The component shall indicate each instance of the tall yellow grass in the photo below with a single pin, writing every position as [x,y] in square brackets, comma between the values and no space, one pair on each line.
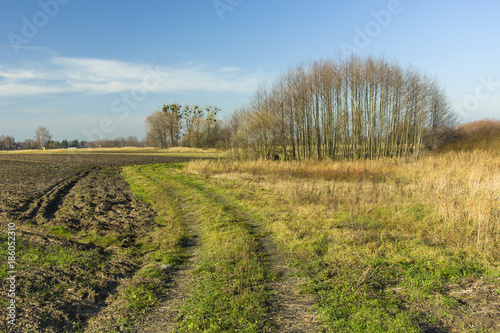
[462,188]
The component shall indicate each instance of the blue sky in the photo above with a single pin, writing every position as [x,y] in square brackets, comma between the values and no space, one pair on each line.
[88,68]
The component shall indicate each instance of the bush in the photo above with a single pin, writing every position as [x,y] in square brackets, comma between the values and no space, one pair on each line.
[476,135]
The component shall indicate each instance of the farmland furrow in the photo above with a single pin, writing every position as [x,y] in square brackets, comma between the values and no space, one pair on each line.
[45,207]
[83,240]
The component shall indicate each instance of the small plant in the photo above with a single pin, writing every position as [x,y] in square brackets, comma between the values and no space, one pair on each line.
[60,231]
[140,297]
[155,271]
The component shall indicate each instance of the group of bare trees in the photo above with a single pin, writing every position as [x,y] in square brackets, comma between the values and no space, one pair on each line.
[349,108]
[189,126]
[41,139]
[7,142]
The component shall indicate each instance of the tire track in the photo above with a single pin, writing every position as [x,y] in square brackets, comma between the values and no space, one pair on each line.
[164,316]
[291,311]
[46,206]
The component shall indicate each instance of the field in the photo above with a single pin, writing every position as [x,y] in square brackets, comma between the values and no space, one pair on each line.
[78,227]
[142,241]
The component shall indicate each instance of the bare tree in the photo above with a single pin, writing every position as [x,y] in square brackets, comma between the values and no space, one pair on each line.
[9,142]
[157,126]
[132,141]
[174,116]
[442,120]
[191,116]
[42,137]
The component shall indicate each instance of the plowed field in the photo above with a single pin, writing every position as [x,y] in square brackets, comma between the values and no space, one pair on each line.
[76,226]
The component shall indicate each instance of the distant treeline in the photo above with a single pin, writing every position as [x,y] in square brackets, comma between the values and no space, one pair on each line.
[348,108]
[8,143]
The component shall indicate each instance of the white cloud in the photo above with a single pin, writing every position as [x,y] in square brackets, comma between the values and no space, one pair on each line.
[20,89]
[20,74]
[59,75]
[229,69]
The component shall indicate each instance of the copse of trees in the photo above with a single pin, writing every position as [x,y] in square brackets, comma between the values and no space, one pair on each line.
[7,142]
[188,126]
[350,108]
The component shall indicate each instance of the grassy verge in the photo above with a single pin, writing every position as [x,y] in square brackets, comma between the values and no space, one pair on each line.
[228,291]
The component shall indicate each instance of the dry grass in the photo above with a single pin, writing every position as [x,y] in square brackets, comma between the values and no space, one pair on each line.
[191,150]
[380,243]
[463,188]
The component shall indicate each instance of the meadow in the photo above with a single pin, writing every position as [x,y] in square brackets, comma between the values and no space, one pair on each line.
[384,245]
[367,246]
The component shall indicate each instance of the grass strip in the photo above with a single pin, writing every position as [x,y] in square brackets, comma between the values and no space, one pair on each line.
[229,289]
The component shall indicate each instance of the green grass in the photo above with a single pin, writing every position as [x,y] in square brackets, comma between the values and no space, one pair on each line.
[229,292]
[53,257]
[53,260]
[162,244]
[59,231]
[107,240]
[140,297]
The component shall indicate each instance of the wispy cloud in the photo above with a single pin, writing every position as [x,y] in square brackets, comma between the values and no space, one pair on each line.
[60,75]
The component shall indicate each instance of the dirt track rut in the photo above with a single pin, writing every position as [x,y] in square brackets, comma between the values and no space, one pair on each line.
[47,205]
[164,316]
[290,310]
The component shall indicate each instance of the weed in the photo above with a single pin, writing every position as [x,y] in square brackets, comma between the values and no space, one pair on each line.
[60,231]
[140,297]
